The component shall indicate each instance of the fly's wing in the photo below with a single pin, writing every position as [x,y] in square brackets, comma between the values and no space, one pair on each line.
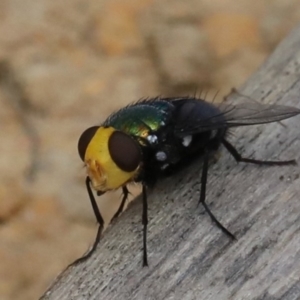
[195,116]
[256,113]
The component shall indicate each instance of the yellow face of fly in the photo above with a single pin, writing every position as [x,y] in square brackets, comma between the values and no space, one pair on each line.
[112,158]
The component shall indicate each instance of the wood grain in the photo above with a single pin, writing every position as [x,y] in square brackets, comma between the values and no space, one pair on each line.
[189,257]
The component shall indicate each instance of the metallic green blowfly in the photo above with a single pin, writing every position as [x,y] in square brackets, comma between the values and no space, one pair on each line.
[156,137]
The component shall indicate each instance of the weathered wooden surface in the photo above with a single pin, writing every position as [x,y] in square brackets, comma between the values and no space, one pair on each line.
[189,257]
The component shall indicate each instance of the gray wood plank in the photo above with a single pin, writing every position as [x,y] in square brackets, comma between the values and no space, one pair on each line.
[189,257]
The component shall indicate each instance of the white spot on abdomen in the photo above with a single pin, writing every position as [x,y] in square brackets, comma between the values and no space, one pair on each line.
[152,139]
[161,156]
[186,141]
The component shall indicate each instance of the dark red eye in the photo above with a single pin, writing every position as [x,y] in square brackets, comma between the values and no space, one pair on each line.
[85,139]
[124,151]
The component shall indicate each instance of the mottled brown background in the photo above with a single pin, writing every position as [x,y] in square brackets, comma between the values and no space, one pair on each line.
[64,66]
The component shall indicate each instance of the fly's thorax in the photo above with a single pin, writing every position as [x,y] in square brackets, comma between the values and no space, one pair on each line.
[112,158]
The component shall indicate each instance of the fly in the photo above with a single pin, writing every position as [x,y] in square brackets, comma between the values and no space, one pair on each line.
[154,138]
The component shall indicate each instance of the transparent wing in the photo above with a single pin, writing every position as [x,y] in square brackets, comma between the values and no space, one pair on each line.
[205,116]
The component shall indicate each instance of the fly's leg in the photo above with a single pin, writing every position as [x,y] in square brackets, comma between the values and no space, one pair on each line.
[239,158]
[92,250]
[203,195]
[121,207]
[144,218]
[145,224]
[99,220]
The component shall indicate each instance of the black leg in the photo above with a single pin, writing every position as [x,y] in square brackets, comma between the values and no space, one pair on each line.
[99,220]
[239,158]
[145,224]
[203,194]
[121,207]
[93,201]
[91,251]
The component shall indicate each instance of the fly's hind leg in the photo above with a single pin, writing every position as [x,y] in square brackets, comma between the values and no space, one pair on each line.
[203,196]
[239,158]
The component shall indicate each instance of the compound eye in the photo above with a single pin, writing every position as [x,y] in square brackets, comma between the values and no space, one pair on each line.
[85,139]
[124,151]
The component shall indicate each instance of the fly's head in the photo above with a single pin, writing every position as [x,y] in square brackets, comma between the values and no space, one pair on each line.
[112,158]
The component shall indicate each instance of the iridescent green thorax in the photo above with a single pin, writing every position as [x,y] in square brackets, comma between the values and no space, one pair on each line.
[140,118]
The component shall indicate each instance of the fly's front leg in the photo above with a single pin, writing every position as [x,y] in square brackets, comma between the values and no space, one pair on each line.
[121,207]
[145,226]
[99,220]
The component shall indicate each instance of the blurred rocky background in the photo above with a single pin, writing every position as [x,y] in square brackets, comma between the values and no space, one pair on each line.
[64,66]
